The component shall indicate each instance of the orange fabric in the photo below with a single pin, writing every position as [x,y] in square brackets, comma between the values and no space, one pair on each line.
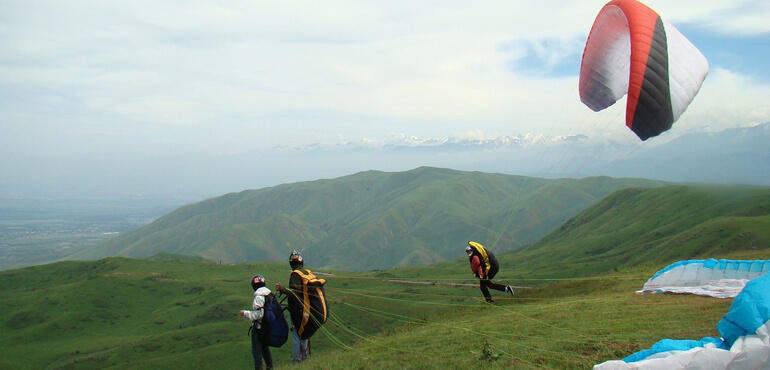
[641,24]
[476,267]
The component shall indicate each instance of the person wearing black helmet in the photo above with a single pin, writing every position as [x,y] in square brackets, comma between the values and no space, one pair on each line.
[485,266]
[297,263]
[258,350]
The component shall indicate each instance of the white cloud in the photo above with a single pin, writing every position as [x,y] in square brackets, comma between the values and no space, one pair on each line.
[204,78]
[739,17]
[727,99]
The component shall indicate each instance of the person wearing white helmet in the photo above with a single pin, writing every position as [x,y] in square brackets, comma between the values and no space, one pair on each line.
[259,350]
[485,266]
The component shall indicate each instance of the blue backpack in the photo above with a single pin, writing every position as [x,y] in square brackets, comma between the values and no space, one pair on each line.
[275,329]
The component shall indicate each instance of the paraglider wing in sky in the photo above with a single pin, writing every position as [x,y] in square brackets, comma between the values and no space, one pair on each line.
[632,50]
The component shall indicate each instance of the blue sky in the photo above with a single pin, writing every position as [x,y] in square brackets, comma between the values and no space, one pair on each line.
[746,54]
[202,98]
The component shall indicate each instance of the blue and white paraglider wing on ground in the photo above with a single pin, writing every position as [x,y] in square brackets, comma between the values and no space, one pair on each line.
[745,341]
[713,278]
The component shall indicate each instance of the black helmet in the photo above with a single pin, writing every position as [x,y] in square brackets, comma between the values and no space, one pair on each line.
[295,258]
[257,281]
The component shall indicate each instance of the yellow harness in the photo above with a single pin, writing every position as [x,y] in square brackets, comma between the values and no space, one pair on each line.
[484,256]
[306,291]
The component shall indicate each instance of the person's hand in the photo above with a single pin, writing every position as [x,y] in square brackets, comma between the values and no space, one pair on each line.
[242,313]
[278,287]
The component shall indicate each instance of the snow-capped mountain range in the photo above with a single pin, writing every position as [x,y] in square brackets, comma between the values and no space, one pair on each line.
[738,155]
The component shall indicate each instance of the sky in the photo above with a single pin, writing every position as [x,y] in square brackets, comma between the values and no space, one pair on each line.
[199,98]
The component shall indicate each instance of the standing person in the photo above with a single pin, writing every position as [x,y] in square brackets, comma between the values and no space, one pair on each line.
[295,305]
[307,305]
[485,266]
[258,349]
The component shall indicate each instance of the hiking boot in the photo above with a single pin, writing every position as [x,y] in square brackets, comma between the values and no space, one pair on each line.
[509,289]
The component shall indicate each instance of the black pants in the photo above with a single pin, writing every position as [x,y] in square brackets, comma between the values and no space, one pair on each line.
[486,284]
[259,351]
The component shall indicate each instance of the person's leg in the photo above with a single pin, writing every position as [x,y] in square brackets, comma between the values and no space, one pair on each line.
[495,286]
[483,283]
[297,353]
[267,356]
[493,269]
[256,350]
[297,346]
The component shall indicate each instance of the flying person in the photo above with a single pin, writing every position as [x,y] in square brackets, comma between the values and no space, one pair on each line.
[307,305]
[259,350]
[485,266]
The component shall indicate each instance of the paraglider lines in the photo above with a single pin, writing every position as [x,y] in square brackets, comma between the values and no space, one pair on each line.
[481,333]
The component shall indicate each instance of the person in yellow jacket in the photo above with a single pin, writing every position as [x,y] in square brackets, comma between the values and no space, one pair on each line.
[485,266]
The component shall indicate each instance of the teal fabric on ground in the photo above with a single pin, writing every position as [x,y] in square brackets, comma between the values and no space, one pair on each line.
[749,311]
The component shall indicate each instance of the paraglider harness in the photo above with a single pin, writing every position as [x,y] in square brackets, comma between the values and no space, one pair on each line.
[312,301]
[274,330]
[487,258]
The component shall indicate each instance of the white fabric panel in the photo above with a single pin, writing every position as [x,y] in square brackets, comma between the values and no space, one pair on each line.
[749,352]
[693,278]
[687,69]
[606,60]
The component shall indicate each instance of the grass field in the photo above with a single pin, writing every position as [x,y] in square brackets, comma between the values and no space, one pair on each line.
[123,313]
[575,304]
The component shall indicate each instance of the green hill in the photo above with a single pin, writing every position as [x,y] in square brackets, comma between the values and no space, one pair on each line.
[122,313]
[370,220]
[573,309]
[635,226]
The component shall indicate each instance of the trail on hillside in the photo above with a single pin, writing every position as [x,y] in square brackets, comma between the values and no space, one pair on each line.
[445,283]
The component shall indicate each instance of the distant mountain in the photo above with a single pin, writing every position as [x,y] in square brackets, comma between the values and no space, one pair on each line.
[734,156]
[636,227]
[731,156]
[370,220]
[398,142]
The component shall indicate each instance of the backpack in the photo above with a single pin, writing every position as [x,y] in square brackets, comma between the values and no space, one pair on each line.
[312,312]
[486,257]
[275,329]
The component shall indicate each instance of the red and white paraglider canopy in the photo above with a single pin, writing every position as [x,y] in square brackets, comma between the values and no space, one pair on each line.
[631,50]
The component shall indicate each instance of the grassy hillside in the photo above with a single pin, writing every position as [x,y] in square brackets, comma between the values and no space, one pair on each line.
[572,325]
[653,226]
[575,304]
[122,313]
[368,220]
